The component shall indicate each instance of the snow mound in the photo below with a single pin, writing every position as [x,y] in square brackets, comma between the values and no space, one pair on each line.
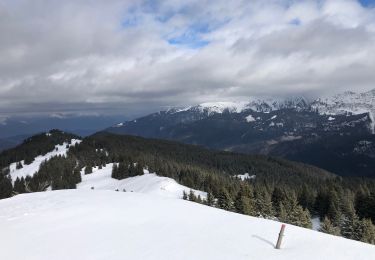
[33,167]
[250,118]
[101,225]
[148,183]
[245,176]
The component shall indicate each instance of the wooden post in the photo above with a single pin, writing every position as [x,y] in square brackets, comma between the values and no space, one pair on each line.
[281,235]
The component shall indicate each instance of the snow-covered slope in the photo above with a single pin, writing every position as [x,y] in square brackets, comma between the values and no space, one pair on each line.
[347,102]
[93,225]
[148,183]
[32,168]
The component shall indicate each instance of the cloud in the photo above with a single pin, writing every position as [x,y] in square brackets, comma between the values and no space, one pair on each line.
[136,56]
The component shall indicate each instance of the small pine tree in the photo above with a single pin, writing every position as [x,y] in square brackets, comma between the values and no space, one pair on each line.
[19,165]
[328,228]
[192,196]
[199,199]
[366,231]
[184,195]
[114,174]
[88,169]
[348,225]
[210,199]
[224,200]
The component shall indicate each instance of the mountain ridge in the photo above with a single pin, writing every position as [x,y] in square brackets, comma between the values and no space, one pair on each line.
[273,127]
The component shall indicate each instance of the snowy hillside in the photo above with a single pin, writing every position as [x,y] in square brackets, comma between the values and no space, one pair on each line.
[30,169]
[347,102]
[148,183]
[93,225]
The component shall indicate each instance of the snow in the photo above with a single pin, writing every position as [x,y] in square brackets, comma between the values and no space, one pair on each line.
[348,102]
[331,118]
[219,107]
[33,167]
[315,223]
[148,183]
[250,118]
[119,125]
[101,225]
[245,176]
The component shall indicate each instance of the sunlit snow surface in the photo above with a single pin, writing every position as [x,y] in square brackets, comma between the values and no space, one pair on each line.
[148,183]
[93,225]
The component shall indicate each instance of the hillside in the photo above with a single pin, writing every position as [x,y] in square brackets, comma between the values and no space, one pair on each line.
[254,185]
[100,225]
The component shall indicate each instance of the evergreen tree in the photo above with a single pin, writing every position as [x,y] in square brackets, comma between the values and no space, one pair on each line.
[294,213]
[114,174]
[244,204]
[334,212]
[19,185]
[263,203]
[19,165]
[224,200]
[6,187]
[366,231]
[88,169]
[210,199]
[199,199]
[192,196]
[348,225]
[329,228]
[184,195]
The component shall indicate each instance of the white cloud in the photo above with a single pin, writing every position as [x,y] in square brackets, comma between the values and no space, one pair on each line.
[113,55]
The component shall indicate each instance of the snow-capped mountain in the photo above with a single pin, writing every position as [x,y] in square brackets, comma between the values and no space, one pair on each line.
[347,102]
[330,128]
[266,105]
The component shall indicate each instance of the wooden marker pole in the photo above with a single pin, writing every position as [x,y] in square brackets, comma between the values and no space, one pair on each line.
[281,235]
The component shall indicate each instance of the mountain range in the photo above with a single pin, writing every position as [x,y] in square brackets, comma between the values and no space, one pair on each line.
[335,133]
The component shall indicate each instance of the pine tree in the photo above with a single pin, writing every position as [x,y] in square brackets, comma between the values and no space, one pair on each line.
[224,200]
[263,203]
[6,187]
[88,169]
[348,225]
[210,199]
[295,214]
[114,174]
[243,204]
[184,195]
[192,196]
[19,165]
[366,231]
[19,185]
[334,212]
[329,228]
[199,199]
[139,169]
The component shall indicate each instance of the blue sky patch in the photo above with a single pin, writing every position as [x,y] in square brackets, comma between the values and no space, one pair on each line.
[368,3]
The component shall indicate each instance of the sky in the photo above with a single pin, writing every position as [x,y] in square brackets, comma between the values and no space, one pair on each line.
[134,56]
